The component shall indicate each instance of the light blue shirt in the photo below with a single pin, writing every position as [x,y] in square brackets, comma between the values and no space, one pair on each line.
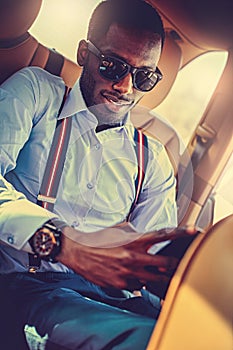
[97,186]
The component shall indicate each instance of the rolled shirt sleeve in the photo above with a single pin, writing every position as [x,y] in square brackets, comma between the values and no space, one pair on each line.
[19,220]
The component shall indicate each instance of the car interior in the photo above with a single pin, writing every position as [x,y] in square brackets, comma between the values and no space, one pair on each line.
[198,309]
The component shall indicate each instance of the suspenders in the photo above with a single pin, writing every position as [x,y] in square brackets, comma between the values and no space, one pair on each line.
[56,159]
[55,162]
[141,150]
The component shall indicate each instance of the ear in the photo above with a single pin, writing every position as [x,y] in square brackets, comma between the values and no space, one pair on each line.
[82,53]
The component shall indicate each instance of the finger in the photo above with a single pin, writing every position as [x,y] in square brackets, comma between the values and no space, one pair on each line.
[154,277]
[192,230]
[159,273]
[148,240]
[158,261]
[144,242]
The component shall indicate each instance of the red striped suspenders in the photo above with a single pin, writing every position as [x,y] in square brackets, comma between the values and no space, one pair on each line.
[49,187]
[56,159]
[141,150]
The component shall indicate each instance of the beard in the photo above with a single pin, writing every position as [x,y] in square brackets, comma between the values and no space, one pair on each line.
[87,85]
[104,111]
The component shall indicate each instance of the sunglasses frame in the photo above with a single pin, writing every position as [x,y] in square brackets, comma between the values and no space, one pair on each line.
[130,69]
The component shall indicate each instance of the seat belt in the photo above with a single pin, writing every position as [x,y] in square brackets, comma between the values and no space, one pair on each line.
[55,62]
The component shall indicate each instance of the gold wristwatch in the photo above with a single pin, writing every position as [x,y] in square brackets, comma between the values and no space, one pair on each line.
[46,242]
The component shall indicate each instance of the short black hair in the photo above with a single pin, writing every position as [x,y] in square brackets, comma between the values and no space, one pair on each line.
[132,14]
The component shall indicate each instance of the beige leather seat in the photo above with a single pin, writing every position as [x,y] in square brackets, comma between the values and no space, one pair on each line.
[18,48]
[154,126]
[198,310]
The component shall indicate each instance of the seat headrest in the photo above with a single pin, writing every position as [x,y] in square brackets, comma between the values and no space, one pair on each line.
[168,68]
[13,25]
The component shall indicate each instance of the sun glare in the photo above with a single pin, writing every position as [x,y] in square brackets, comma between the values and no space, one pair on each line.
[61,24]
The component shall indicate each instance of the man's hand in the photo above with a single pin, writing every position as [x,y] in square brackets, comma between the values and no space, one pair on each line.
[117,257]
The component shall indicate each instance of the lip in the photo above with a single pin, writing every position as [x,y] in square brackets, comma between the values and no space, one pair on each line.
[114,101]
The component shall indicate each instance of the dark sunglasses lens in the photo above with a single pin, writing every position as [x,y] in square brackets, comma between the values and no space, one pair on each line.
[113,69]
[145,80]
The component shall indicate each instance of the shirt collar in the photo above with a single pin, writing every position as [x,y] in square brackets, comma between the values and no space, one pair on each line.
[74,102]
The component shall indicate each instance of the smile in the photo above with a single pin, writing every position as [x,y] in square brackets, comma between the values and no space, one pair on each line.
[117,102]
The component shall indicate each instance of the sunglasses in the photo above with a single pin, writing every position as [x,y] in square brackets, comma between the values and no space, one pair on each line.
[115,69]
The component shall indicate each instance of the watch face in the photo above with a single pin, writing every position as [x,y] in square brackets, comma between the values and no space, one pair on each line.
[44,242]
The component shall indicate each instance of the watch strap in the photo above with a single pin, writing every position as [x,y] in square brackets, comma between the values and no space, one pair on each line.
[55,230]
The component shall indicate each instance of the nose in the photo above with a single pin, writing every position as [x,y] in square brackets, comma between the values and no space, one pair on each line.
[125,85]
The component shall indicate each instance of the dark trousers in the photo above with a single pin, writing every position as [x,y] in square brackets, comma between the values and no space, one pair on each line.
[65,311]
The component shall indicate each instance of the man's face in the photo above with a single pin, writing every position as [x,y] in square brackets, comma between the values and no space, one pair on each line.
[109,100]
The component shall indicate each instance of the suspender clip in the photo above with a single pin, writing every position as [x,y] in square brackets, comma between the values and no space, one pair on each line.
[47,199]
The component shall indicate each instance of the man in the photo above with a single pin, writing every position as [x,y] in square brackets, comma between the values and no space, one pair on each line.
[69,292]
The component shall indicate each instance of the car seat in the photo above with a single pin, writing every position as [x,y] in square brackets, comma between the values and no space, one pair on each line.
[198,308]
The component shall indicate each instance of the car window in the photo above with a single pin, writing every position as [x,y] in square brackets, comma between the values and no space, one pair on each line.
[61,27]
[191,92]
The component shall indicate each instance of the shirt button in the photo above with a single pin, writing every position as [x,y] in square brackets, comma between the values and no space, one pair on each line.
[10,239]
[75,224]
[90,186]
[97,146]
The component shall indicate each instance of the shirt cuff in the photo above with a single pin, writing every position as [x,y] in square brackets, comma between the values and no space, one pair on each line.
[19,220]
